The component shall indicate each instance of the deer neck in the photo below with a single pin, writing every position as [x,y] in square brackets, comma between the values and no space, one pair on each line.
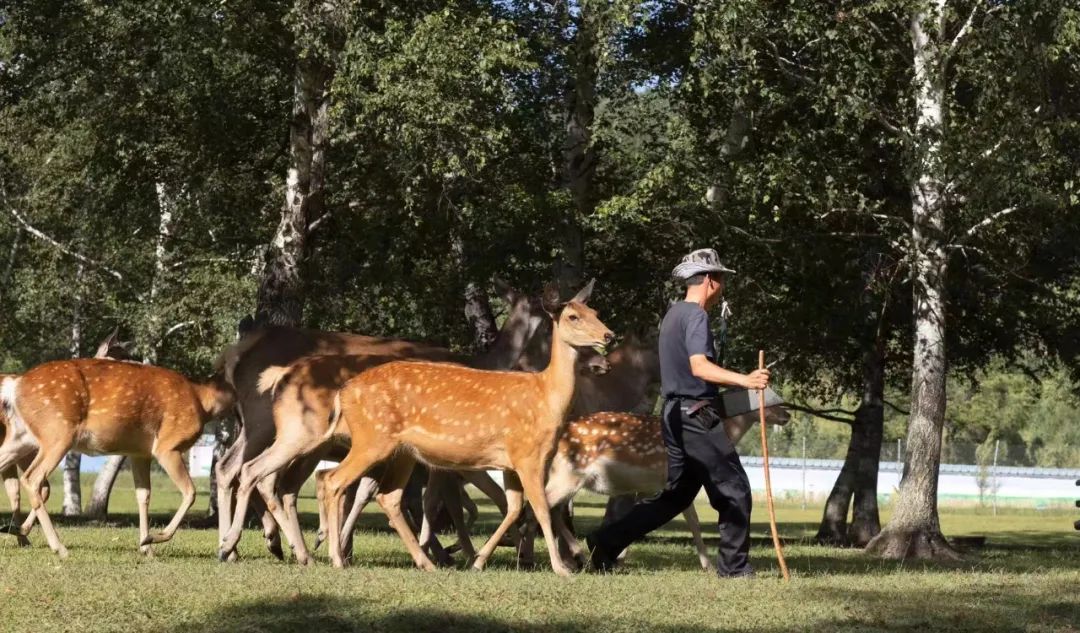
[214,399]
[559,376]
[509,343]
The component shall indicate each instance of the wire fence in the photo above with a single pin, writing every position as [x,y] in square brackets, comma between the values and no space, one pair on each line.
[783,443]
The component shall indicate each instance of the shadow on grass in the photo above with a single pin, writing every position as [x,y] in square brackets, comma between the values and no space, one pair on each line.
[863,610]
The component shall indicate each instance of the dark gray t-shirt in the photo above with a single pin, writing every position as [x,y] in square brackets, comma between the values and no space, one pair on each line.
[684,333]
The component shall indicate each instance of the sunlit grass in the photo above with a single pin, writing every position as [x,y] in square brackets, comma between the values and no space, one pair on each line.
[1026,578]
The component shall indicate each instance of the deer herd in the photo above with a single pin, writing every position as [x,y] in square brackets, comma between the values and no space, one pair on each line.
[411,424]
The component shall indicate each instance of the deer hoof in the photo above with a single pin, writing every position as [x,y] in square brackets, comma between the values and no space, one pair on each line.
[319,538]
[22,540]
[62,553]
[274,547]
[226,555]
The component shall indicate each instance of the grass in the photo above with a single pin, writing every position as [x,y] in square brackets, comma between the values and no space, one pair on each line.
[1027,578]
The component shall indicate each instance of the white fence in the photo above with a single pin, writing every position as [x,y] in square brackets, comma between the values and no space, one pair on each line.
[812,479]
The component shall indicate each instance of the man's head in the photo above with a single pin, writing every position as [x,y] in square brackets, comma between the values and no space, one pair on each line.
[703,275]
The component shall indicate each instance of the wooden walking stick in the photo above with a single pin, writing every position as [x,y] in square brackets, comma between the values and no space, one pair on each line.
[768,482]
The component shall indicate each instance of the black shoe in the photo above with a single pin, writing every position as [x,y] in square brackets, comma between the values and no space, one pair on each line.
[600,560]
[749,574]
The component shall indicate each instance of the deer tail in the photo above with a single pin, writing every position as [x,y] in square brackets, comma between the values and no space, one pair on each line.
[270,377]
[8,386]
[335,417]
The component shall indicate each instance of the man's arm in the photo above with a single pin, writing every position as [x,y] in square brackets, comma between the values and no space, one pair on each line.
[709,371]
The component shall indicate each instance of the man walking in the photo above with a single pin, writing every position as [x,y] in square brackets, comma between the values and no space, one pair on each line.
[698,450]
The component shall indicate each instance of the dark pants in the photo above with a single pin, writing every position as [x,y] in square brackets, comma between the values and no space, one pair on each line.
[697,456]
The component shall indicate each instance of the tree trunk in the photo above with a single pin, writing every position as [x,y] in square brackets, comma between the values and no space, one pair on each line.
[914,531]
[866,437]
[73,461]
[480,317]
[858,477]
[98,507]
[735,141]
[280,296]
[9,266]
[106,479]
[579,155]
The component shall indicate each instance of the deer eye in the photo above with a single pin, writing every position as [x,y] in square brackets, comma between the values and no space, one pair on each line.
[573,317]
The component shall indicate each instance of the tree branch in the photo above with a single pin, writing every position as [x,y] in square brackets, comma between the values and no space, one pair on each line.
[825,414]
[175,328]
[60,247]
[987,221]
[896,408]
[963,29]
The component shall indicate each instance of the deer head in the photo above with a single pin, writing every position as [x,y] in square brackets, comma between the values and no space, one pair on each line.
[216,396]
[577,323]
[113,347]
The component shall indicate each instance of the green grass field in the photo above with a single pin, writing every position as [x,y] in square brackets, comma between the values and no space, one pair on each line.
[1026,578]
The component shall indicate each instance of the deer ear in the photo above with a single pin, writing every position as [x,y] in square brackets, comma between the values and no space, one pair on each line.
[246,325]
[504,290]
[112,339]
[550,299]
[583,295]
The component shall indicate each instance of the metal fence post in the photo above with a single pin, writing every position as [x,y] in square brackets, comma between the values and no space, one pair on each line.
[804,472]
[993,473]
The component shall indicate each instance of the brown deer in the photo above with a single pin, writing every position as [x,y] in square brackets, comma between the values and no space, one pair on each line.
[98,406]
[288,423]
[18,446]
[613,453]
[459,418]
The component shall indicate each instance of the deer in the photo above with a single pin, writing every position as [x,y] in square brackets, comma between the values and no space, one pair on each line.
[18,446]
[104,406]
[614,453]
[264,357]
[459,418]
[303,394]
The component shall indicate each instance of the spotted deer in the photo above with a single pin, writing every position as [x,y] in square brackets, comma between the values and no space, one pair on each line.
[459,418]
[18,446]
[263,348]
[100,406]
[303,395]
[623,454]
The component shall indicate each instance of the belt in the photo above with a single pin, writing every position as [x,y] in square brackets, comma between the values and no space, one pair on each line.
[690,406]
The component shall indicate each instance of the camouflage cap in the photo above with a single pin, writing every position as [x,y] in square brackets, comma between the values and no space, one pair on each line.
[703,260]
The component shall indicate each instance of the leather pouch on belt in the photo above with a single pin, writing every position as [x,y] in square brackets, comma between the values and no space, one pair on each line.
[707,416]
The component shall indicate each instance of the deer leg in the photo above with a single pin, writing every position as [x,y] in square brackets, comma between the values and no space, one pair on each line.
[559,518]
[468,505]
[366,489]
[532,481]
[333,483]
[228,469]
[690,514]
[140,473]
[391,491]
[11,486]
[253,472]
[485,484]
[271,535]
[291,479]
[428,541]
[31,518]
[513,510]
[44,463]
[453,494]
[173,463]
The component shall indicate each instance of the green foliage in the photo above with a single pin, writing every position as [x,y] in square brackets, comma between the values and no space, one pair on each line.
[781,134]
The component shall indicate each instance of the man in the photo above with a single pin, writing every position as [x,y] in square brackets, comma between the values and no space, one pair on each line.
[698,450]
